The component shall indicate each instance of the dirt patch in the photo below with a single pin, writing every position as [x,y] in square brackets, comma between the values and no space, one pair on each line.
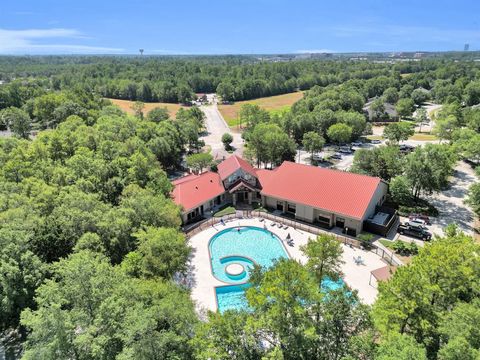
[271,103]
[126,105]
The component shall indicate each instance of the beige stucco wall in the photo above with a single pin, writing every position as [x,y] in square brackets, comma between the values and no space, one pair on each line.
[310,214]
[377,199]
[353,224]
[270,202]
[207,205]
[304,213]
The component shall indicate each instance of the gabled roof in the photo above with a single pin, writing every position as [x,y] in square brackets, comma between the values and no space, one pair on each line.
[239,184]
[334,191]
[228,166]
[193,190]
[389,109]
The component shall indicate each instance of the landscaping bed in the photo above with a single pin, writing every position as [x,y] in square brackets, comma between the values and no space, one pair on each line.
[228,210]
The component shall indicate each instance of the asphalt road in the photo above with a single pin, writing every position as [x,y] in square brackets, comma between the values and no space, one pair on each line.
[216,127]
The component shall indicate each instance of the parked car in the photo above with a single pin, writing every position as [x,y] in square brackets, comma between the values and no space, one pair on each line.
[345,150]
[375,141]
[357,143]
[414,231]
[317,157]
[406,148]
[337,156]
[423,217]
[417,222]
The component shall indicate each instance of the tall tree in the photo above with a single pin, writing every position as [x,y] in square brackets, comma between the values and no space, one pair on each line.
[313,142]
[138,108]
[421,118]
[397,132]
[339,133]
[198,162]
[324,257]
[418,296]
[405,107]
[17,120]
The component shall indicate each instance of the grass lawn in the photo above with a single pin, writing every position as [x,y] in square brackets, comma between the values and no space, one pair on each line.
[388,244]
[423,137]
[226,211]
[374,137]
[126,105]
[273,104]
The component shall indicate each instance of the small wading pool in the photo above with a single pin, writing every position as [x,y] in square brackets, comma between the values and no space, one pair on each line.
[244,247]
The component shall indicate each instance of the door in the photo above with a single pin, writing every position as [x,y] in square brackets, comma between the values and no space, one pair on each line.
[340,222]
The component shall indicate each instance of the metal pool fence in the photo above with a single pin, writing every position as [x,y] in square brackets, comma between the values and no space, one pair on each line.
[387,256]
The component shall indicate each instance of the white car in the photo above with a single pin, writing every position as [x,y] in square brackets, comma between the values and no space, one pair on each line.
[417,222]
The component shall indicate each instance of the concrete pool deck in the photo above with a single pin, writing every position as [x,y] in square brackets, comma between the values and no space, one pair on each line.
[203,282]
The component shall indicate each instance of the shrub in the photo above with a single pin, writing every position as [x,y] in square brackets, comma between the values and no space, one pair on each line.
[227,140]
[404,248]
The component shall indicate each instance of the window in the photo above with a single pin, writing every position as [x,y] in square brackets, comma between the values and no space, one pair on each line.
[280,205]
[324,219]
[291,208]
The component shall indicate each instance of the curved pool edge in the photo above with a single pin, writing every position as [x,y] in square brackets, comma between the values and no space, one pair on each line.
[289,256]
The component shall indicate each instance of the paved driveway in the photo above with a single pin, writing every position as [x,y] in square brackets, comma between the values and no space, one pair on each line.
[216,127]
[450,202]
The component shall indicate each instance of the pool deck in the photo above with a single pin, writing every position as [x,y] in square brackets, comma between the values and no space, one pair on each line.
[203,282]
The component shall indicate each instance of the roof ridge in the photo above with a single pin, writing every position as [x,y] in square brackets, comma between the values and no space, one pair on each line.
[332,170]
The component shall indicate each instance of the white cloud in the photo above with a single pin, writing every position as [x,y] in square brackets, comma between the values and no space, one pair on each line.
[33,41]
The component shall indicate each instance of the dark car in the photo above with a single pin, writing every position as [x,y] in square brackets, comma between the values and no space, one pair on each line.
[336,156]
[415,231]
[421,217]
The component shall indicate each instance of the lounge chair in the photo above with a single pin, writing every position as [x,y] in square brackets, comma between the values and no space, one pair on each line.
[273,224]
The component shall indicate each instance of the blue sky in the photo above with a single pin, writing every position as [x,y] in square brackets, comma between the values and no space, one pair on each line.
[236,26]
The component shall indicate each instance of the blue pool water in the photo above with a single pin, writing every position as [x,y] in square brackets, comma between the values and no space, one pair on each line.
[250,245]
[232,297]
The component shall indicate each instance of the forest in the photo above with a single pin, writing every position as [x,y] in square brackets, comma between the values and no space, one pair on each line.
[91,247]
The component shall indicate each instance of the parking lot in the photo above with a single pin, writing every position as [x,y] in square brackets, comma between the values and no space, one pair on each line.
[450,204]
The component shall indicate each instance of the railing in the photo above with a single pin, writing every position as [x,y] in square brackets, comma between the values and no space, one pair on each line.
[349,241]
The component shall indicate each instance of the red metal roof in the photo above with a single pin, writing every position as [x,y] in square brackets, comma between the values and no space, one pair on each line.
[192,191]
[331,190]
[228,166]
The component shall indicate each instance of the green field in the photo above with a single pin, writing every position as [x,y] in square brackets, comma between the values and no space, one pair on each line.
[273,104]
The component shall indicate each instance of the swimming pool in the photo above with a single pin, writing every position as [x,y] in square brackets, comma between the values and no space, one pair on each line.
[234,251]
[232,297]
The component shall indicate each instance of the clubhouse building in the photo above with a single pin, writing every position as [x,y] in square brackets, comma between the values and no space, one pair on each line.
[323,197]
